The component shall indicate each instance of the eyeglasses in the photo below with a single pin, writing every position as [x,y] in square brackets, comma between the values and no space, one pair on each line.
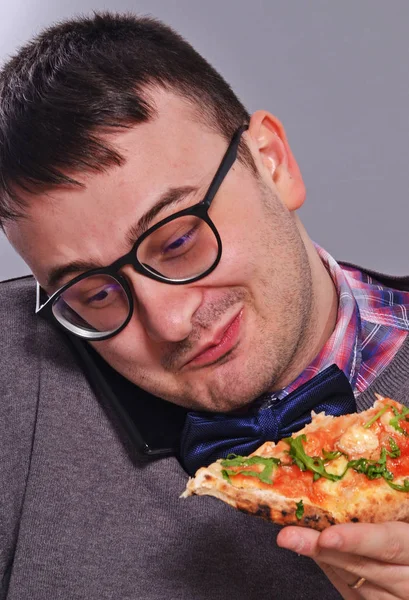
[180,249]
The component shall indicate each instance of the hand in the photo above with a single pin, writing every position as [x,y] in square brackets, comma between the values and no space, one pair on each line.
[380,553]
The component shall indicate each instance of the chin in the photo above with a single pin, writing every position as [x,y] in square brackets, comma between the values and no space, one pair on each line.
[225,399]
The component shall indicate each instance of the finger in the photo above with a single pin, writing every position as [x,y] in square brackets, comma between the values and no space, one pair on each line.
[389,577]
[342,580]
[339,579]
[385,542]
[300,540]
[392,578]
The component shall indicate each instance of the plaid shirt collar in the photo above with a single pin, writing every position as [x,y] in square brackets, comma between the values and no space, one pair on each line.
[372,324]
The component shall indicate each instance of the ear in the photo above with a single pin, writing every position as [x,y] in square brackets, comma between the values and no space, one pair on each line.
[277,161]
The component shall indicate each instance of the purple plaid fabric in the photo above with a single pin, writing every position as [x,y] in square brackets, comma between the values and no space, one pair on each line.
[372,324]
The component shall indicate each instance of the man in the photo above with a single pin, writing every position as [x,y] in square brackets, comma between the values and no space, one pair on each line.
[159,220]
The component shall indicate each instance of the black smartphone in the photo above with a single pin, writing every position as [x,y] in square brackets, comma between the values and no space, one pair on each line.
[153,425]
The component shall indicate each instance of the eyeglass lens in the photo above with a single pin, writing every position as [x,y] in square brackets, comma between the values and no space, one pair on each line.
[95,304]
[179,250]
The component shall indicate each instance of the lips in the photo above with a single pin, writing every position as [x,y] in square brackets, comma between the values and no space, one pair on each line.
[224,340]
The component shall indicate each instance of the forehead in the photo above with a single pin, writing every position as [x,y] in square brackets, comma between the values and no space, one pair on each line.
[172,150]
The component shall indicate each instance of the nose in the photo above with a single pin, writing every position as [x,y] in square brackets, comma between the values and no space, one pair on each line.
[165,311]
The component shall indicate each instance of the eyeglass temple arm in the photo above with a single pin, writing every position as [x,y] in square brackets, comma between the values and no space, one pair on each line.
[41,298]
[226,164]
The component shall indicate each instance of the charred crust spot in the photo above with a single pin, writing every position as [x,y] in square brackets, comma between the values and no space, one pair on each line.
[284,513]
[312,519]
[263,511]
[355,520]
[208,477]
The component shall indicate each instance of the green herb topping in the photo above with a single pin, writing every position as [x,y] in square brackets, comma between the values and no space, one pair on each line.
[377,416]
[300,510]
[373,469]
[395,450]
[308,463]
[233,460]
[400,488]
[331,455]
[399,416]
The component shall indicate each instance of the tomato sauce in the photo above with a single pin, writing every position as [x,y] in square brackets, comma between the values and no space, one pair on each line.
[291,482]
[287,480]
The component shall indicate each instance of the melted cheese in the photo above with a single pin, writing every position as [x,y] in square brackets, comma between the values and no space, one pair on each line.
[385,418]
[358,440]
[337,466]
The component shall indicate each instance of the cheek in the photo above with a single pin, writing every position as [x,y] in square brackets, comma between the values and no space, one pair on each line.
[241,252]
[128,347]
[248,241]
[235,264]
[247,257]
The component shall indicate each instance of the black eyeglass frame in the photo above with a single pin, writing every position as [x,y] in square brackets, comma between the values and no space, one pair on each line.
[199,210]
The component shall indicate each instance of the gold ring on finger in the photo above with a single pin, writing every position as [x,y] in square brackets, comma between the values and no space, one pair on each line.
[358,583]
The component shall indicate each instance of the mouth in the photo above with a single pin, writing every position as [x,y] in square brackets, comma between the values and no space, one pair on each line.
[223,343]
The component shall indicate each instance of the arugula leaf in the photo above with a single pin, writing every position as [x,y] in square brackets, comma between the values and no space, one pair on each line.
[331,455]
[372,469]
[233,460]
[375,469]
[225,475]
[395,450]
[300,510]
[400,488]
[399,416]
[299,463]
[377,416]
[305,462]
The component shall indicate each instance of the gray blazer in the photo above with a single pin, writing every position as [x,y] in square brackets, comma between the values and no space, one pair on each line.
[82,517]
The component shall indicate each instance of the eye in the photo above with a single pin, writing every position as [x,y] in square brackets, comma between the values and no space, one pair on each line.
[180,241]
[102,297]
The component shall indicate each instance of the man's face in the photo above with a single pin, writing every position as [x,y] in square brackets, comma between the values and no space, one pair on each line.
[215,344]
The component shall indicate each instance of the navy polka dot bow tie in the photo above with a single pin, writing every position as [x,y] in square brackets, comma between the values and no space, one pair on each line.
[209,436]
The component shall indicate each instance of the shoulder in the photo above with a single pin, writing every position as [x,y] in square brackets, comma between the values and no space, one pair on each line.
[17,315]
[18,339]
[30,347]
[23,285]
[17,296]
[19,385]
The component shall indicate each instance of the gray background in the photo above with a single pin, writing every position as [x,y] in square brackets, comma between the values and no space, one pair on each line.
[336,73]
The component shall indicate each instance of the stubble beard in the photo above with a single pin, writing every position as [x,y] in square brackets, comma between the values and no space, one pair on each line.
[290,296]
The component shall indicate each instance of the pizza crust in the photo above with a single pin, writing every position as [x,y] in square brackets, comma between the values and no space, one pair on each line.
[369,507]
[262,503]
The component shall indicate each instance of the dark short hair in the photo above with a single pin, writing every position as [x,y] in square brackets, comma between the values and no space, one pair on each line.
[88,76]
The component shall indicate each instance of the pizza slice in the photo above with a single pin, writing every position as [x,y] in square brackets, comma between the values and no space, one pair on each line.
[352,468]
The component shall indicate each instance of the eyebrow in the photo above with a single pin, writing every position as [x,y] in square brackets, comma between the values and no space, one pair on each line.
[171,196]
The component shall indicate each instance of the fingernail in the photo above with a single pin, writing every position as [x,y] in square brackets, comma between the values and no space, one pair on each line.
[331,540]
